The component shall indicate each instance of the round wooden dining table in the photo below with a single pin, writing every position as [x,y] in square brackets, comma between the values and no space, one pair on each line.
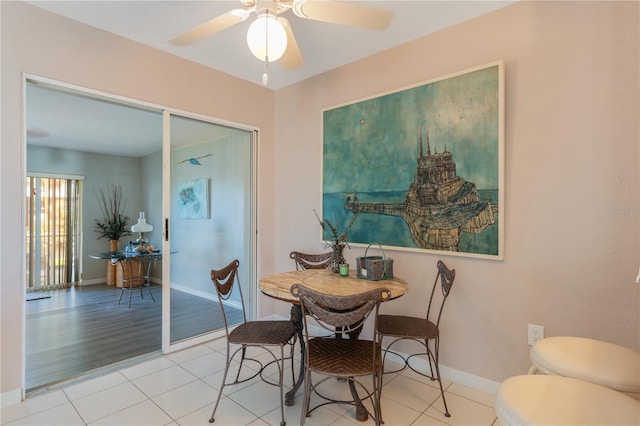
[326,281]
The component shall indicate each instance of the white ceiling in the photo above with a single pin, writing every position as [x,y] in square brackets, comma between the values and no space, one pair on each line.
[66,119]
[324,46]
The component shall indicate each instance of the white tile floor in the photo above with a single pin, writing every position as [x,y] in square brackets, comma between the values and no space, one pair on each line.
[181,388]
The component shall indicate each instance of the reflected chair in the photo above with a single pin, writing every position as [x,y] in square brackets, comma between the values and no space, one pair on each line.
[267,335]
[311,261]
[421,330]
[342,358]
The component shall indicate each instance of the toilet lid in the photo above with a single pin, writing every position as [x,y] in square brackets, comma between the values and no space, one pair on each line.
[555,400]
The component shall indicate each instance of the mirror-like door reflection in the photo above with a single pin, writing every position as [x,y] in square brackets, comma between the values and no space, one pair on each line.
[210,219]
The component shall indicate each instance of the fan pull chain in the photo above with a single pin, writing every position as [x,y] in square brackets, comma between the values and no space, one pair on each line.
[265,76]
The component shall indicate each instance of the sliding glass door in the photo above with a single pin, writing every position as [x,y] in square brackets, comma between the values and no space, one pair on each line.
[211,220]
[192,178]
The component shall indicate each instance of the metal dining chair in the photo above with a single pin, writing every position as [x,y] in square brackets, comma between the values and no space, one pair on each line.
[422,330]
[263,334]
[136,273]
[311,261]
[335,357]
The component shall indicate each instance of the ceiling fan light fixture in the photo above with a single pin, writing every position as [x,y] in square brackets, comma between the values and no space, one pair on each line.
[243,14]
[297,7]
[267,38]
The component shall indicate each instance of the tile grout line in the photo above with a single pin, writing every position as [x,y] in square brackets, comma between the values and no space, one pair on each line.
[212,350]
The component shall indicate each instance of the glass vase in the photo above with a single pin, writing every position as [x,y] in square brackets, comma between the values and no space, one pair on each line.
[338,258]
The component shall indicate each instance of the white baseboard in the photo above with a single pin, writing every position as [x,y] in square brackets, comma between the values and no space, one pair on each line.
[10,398]
[457,376]
[94,281]
[204,295]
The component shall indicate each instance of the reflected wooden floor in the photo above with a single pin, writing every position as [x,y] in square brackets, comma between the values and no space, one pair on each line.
[83,328]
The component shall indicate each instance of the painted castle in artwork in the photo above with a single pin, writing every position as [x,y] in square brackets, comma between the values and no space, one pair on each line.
[439,204]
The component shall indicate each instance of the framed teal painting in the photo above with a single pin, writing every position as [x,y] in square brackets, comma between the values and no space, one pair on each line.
[193,199]
[422,167]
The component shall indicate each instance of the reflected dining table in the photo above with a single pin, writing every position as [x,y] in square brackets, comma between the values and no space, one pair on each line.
[136,269]
[278,286]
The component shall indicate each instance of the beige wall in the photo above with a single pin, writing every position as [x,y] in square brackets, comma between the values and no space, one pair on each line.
[572,156]
[40,43]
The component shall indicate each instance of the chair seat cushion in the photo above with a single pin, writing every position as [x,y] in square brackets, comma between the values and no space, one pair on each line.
[555,400]
[404,326]
[342,357]
[263,333]
[606,364]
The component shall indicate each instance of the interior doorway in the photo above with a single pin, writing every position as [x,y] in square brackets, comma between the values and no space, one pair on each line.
[112,140]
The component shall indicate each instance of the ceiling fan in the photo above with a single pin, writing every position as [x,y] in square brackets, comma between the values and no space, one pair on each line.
[335,12]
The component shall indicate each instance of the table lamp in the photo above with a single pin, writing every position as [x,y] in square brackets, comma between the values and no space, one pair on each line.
[141,227]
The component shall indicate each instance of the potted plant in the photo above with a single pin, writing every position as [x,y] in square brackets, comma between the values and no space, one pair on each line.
[114,223]
[338,240]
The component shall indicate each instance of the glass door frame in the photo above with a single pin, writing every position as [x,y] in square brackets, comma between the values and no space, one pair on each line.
[166,346]
[252,303]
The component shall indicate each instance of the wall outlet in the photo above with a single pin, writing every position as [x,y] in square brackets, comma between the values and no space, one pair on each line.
[536,332]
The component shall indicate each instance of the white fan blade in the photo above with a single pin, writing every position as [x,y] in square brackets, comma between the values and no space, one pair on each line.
[210,27]
[351,14]
[292,57]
